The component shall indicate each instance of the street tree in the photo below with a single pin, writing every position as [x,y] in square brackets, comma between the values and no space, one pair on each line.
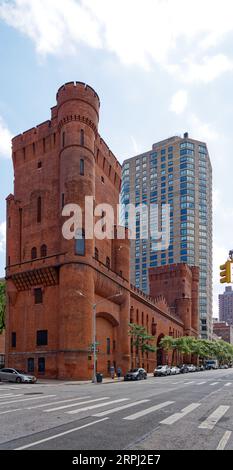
[142,340]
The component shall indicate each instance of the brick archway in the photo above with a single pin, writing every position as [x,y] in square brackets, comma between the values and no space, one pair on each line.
[160,352]
[106,334]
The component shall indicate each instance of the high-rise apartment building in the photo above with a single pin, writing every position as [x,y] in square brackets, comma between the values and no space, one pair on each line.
[177,171]
[226,306]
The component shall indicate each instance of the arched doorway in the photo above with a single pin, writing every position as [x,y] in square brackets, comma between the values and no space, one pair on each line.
[160,352]
[106,337]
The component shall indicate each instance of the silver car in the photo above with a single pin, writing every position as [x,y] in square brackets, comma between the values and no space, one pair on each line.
[14,375]
[175,370]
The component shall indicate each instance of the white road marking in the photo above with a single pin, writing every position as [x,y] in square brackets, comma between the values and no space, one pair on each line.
[9,395]
[214,383]
[228,384]
[148,410]
[188,383]
[212,420]
[55,403]
[74,404]
[60,434]
[200,383]
[26,399]
[222,444]
[12,388]
[92,407]
[119,408]
[10,411]
[176,416]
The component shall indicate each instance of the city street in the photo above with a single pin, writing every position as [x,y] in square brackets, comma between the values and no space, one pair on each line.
[183,412]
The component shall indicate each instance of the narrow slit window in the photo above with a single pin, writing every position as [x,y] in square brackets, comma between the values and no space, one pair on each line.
[63,139]
[62,200]
[39,210]
[82,167]
[82,137]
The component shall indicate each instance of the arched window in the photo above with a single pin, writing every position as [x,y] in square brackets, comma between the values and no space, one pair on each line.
[97,254]
[43,251]
[108,262]
[80,242]
[34,253]
[39,205]
[82,137]
[82,167]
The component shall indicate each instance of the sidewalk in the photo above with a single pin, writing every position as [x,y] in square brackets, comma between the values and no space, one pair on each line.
[106,380]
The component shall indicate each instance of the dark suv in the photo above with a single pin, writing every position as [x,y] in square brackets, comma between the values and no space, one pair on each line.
[136,374]
[183,369]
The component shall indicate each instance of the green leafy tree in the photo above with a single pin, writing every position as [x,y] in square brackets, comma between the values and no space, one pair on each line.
[2,305]
[141,339]
[182,345]
[168,343]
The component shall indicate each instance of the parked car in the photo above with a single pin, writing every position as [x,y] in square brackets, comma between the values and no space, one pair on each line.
[211,364]
[183,369]
[199,368]
[14,375]
[175,370]
[223,366]
[162,371]
[136,374]
[191,368]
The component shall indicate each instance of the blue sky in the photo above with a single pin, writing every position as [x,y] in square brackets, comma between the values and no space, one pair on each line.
[159,67]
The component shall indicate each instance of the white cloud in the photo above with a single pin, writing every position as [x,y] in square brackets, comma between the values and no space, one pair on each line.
[136,147]
[179,102]
[202,130]
[2,237]
[166,32]
[207,70]
[5,140]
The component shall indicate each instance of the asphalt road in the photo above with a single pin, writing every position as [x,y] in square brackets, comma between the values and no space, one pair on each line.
[191,411]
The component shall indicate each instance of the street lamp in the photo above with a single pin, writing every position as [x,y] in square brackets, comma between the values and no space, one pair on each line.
[79,292]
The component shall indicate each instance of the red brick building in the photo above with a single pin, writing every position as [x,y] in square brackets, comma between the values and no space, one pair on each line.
[2,349]
[224,331]
[52,283]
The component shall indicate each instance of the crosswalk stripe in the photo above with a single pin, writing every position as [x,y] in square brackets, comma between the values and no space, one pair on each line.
[10,411]
[92,407]
[26,399]
[176,416]
[9,395]
[75,404]
[33,444]
[213,419]
[222,444]
[228,384]
[119,408]
[55,403]
[214,383]
[148,410]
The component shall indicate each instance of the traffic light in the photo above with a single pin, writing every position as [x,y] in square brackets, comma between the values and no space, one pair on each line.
[226,272]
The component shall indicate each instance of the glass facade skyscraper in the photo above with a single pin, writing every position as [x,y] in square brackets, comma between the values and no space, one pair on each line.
[177,171]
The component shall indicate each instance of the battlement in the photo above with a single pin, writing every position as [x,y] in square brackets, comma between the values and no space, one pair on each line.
[171,270]
[29,136]
[108,154]
[78,91]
